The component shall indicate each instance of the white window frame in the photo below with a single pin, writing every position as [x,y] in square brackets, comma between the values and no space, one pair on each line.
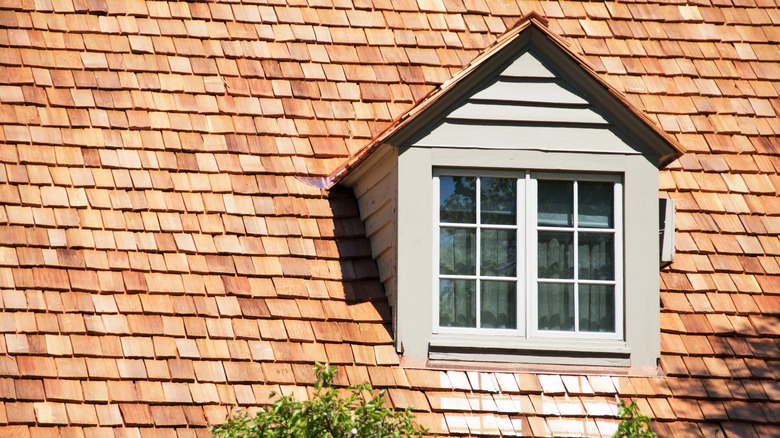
[526,240]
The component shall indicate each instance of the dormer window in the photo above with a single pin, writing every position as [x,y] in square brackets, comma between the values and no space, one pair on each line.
[529,254]
[513,214]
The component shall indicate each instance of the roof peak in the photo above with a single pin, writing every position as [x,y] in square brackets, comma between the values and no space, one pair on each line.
[531,16]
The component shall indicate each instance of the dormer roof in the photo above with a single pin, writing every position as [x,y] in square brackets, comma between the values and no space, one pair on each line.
[530,33]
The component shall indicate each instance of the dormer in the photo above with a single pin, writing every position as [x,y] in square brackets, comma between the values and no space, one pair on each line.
[513,213]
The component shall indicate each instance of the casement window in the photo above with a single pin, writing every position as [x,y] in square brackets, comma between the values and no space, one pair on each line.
[528,254]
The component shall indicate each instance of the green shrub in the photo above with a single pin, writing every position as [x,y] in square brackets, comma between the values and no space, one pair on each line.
[632,423]
[358,412]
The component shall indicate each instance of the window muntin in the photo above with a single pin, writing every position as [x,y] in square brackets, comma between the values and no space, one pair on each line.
[572,244]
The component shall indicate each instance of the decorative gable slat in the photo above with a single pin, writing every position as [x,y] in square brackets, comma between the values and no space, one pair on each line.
[527,105]
[515,136]
[531,91]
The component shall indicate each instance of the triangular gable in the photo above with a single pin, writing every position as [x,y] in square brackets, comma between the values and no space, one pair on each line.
[528,51]
[525,105]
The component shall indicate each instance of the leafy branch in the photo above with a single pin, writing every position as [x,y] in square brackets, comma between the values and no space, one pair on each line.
[358,412]
[633,424]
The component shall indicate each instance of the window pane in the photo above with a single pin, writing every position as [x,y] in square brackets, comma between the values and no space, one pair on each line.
[498,304]
[597,308]
[596,204]
[556,306]
[498,253]
[457,303]
[458,196]
[556,203]
[555,254]
[457,251]
[499,201]
[597,256]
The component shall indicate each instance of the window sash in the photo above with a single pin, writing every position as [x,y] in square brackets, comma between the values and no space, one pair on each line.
[617,282]
[483,286]
[526,252]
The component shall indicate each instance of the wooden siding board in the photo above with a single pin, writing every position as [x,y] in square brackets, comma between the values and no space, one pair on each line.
[550,138]
[550,92]
[497,112]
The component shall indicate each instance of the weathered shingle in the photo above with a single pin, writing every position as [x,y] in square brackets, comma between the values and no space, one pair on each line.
[160,261]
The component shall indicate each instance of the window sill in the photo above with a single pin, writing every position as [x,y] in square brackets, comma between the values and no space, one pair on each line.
[519,367]
[536,351]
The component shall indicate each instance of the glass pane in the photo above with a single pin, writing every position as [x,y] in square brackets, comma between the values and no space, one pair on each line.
[498,304]
[499,201]
[458,196]
[596,204]
[556,203]
[457,303]
[556,258]
[498,253]
[457,251]
[597,308]
[556,306]
[596,256]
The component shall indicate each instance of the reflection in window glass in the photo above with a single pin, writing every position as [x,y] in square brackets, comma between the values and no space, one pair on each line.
[556,255]
[499,304]
[499,201]
[556,203]
[458,199]
[596,256]
[556,306]
[478,252]
[457,303]
[596,203]
[498,250]
[457,251]
[597,308]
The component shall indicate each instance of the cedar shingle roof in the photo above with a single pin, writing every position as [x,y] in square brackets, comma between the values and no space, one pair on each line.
[161,262]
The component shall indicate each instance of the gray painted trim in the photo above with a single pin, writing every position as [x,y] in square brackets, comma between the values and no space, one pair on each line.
[527,113]
[642,282]
[512,349]
[416,275]
[551,91]
[543,138]
[415,246]
[534,358]
[497,342]
[529,160]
